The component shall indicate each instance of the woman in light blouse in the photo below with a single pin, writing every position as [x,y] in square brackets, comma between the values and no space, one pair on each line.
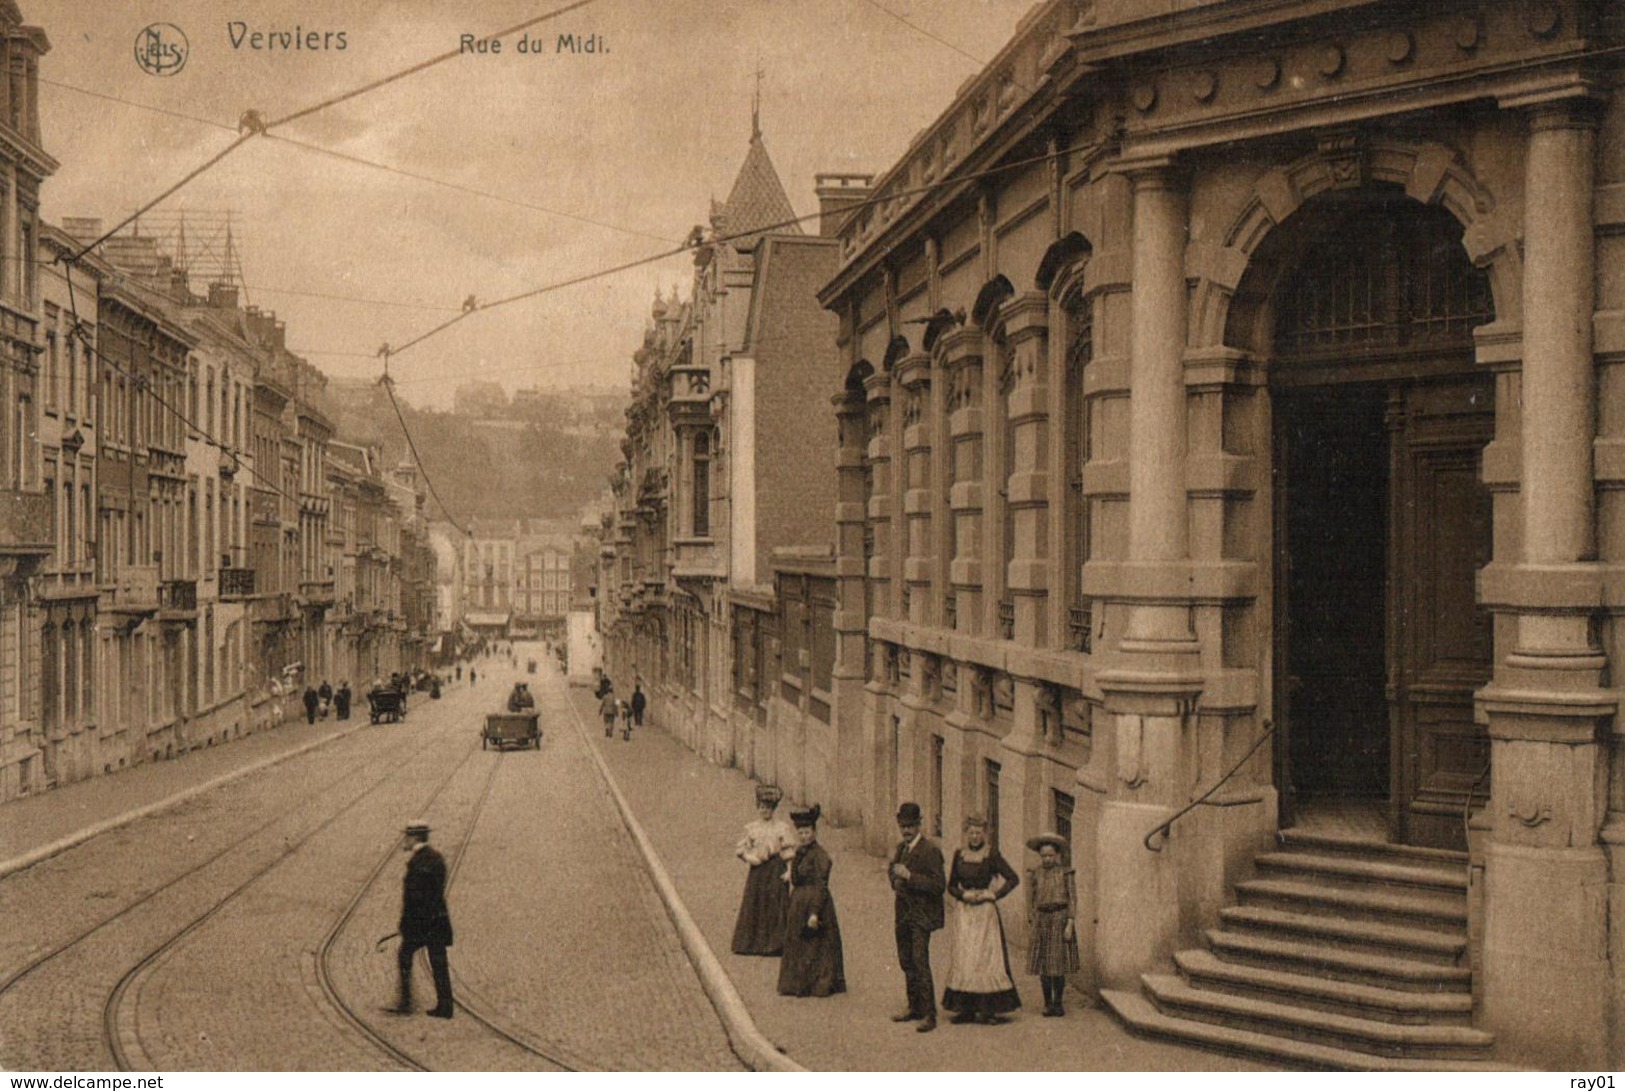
[767,846]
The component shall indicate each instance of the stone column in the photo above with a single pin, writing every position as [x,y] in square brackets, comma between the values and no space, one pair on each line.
[1152,687]
[962,361]
[914,373]
[1545,957]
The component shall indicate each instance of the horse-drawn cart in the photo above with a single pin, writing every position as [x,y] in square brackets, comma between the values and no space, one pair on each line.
[512,729]
[387,705]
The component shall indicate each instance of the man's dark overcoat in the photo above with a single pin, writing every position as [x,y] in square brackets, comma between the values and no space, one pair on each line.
[425,920]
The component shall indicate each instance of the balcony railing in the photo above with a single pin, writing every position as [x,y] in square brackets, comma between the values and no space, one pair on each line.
[236,583]
[178,597]
[133,590]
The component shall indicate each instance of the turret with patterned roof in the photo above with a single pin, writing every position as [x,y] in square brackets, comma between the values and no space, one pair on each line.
[757,203]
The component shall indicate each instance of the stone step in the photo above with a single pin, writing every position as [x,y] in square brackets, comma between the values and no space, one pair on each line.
[1448,880]
[1174,996]
[1371,937]
[1142,1017]
[1378,904]
[1302,840]
[1205,970]
[1383,971]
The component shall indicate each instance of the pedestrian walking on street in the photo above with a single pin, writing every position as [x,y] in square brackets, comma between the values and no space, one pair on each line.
[767,846]
[607,708]
[980,988]
[341,700]
[1052,913]
[324,694]
[311,701]
[624,710]
[639,703]
[812,964]
[472,677]
[916,877]
[425,921]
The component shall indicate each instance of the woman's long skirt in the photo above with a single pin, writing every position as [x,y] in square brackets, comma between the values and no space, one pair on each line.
[813,962]
[760,927]
[979,980]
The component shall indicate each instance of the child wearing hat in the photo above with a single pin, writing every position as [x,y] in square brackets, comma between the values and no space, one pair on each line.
[768,842]
[1052,910]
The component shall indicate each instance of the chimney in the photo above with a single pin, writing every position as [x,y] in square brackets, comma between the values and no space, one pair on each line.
[83,228]
[223,296]
[837,194]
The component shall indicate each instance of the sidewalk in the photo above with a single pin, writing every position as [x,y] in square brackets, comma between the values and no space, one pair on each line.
[35,821]
[693,812]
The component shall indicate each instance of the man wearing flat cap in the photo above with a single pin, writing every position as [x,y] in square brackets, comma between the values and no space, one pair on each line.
[917,878]
[425,921]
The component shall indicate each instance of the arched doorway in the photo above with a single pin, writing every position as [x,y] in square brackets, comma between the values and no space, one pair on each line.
[1381,520]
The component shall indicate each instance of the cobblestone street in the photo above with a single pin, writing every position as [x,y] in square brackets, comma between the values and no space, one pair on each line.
[216,934]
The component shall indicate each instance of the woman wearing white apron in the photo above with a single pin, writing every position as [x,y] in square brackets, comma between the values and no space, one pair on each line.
[980,988]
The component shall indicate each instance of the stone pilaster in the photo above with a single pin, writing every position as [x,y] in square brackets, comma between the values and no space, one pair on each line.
[877,388]
[914,374]
[1545,956]
[962,364]
[1026,324]
[852,608]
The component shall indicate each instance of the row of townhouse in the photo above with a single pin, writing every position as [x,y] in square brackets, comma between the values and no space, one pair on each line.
[171,565]
[506,577]
[1221,469]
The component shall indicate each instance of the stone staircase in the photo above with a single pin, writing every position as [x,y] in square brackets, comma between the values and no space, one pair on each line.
[1339,954]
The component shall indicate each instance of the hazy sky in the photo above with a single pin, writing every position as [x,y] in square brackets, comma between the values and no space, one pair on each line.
[640,138]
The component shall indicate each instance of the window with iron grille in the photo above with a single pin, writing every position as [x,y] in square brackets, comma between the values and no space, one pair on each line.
[1079,354]
[702,485]
[990,776]
[1061,807]
[1381,276]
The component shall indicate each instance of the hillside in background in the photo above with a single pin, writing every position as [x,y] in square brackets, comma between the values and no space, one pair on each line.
[546,458]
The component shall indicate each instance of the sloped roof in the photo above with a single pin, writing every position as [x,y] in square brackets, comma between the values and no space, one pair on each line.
[757,201]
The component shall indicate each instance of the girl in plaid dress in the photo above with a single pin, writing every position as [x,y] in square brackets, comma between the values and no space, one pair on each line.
[1052,910]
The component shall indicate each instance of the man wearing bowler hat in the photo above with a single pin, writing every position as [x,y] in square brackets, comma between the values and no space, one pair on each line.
[917,877]
[425,921]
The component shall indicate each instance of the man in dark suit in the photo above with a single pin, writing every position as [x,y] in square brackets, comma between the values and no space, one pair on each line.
[425,921]
[917,877]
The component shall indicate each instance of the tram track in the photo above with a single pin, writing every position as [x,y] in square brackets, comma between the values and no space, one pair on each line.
[122,1043]
[19,975]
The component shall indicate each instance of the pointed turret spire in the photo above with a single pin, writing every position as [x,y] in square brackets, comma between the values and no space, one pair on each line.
[757,203]
[756,103]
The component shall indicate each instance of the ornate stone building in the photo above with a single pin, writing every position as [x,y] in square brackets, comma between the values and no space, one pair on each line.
[1246,365]
[721,469]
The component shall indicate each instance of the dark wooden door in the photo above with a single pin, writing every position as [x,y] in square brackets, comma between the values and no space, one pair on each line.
[1439,639]
[1333,454]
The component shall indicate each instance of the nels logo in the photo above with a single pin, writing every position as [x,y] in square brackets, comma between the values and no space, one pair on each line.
[161,49]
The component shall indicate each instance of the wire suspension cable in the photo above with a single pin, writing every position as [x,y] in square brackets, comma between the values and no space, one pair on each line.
[389,388]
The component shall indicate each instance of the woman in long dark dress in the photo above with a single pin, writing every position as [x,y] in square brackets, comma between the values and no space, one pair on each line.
[767,846]
[980,988]
[812,964]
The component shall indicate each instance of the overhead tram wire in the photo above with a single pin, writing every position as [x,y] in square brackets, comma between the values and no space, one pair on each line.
[252,124]
[362,161]
[687,247]
[389,388]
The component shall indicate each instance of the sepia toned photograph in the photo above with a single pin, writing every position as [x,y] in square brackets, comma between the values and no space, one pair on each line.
[873,536]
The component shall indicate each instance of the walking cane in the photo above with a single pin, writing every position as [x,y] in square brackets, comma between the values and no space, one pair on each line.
[385,939]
